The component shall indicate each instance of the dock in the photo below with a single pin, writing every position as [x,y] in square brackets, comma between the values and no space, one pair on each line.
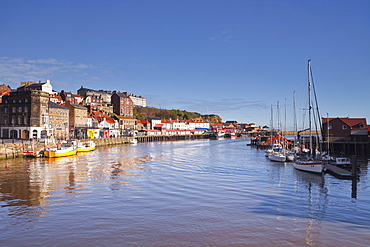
[339,172]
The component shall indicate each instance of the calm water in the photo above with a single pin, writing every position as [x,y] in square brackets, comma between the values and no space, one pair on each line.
[185,193]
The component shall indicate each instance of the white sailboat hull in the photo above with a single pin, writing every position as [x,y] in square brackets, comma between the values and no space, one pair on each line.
[278,157]
[290,157]
[309,166]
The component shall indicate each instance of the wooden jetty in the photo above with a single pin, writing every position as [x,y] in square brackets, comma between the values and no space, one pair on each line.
[339,172]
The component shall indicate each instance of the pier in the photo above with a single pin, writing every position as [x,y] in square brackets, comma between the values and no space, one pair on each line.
[339,172]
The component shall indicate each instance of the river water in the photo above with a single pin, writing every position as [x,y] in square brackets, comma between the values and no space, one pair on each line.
[183,193]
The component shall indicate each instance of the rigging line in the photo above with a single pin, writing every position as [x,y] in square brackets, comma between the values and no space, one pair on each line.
[316,102]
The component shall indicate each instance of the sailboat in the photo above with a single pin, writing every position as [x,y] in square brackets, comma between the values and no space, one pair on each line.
[278,154]
[310,160]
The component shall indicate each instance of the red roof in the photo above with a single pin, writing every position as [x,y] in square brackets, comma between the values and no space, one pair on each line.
[352,122]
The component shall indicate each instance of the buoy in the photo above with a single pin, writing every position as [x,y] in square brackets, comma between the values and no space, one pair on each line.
[6,166]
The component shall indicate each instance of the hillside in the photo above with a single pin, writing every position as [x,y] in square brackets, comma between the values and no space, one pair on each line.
[142,113]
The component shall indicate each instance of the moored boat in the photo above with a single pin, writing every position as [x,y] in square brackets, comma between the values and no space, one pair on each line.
[315,166]
[67,149]
[278,156]
[86,146]
[309,161]
[32,154]
[133,141]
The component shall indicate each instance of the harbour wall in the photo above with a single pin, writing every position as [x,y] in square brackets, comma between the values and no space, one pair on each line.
[14,150]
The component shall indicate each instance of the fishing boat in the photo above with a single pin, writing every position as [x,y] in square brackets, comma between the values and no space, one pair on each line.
[86,146]
[67,148]
[310,160]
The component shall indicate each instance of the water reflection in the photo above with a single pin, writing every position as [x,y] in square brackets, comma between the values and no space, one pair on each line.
[216,193]
[28,184]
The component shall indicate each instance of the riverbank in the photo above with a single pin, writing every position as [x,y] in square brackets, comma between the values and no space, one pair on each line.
[15,150]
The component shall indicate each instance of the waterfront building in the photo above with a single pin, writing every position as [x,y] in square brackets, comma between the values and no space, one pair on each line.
[25,114]
[58,121]
[143,124]
[154,121]
[56,99]
[126,125]
[74,99]
[105,95]
[346,136]
[77,120]
[122,104]
[40,86]
[4,90]
[105,125]
[139,101]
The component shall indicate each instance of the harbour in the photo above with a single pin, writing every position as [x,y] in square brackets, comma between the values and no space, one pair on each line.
[203,192]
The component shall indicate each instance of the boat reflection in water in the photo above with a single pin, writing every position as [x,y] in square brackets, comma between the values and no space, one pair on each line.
[183,193]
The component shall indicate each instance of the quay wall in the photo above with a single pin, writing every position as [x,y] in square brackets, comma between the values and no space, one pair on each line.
[14,150]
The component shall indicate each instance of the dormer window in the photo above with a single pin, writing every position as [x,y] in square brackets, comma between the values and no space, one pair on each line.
[361,126]
[344,127]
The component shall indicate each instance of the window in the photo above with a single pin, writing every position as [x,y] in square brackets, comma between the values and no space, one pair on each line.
[20,109]
[25,109]
[344,127]
[25,120]
[5,109]
[14,109]
[361,125]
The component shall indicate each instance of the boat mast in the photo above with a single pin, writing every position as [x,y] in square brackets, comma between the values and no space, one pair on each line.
[328,129]
[309,104]
[295,120]
[272,124]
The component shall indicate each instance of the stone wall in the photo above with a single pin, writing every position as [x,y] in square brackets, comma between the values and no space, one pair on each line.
[8,151]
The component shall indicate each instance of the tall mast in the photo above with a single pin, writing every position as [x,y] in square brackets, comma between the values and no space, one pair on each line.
[328,129]
[272,123]
[309,104]
[295,119]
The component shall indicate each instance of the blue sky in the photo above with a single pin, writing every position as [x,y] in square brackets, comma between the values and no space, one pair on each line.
[234,58]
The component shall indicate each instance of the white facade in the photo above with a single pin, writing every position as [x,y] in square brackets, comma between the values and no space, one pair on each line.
[46,87]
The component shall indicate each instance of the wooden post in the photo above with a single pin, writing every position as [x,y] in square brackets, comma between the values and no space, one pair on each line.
[354,176]
[354,165]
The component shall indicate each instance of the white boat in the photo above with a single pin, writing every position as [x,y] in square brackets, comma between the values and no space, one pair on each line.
[271,148]
[278,156]
[340,161]
[290,156]
[315,166]
[310,161]
[220,133]
[133,141]
[86,146]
